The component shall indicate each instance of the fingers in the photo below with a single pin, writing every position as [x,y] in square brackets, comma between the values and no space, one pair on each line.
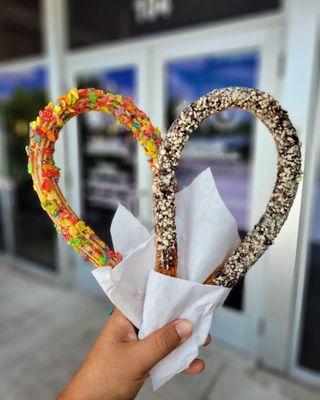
[118,314]
[196,367]
[121,328]
[160,343]
[118,320]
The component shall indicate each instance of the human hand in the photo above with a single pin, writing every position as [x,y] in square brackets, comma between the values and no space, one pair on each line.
[119,363]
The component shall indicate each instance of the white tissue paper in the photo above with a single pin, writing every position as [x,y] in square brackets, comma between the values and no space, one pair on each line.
[206,233]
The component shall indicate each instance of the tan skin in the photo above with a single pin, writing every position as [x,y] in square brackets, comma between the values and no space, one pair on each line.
[119,363]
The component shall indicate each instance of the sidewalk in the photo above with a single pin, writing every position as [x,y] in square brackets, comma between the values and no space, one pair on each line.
[47,330]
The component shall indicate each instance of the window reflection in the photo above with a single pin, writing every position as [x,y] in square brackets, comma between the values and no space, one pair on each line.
[1,222]
[310,330]
[22,95]
[108,155]
[223,142]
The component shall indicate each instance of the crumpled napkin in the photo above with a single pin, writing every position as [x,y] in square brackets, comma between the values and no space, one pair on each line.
[206,233]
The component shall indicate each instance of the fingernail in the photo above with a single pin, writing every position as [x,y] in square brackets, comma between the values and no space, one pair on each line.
[184,329]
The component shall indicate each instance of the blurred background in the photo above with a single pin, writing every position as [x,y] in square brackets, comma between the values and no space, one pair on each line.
[163,54]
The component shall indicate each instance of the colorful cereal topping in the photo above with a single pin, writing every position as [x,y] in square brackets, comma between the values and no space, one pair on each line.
[44,132]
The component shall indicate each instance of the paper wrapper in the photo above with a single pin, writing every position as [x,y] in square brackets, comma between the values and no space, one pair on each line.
[206,233]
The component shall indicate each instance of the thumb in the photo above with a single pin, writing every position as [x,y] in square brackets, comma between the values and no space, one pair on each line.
[162,342]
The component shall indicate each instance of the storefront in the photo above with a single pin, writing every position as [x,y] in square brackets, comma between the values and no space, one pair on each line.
[163,69]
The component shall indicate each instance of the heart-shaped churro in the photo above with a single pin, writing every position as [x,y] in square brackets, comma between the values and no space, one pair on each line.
[163,157]
[44,132]
[268,110]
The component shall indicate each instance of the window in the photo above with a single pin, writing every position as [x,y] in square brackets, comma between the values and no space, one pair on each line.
[20,29]
[309,356]
[22,95]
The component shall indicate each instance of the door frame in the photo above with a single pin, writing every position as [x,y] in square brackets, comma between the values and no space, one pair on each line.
[308,204]
[262,33]
[103,59]
[265,36]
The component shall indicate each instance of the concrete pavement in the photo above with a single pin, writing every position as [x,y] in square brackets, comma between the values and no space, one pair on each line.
[46,331]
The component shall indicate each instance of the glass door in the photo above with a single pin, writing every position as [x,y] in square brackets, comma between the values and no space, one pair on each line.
[228,143]
[3,165]
[2,244]
[22,95]
[224,142]
[306,332]
[109,160]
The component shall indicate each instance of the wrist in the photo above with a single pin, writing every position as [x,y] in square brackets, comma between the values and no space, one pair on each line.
[89,384]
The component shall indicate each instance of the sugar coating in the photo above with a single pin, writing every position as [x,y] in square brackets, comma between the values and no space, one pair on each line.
[268,110]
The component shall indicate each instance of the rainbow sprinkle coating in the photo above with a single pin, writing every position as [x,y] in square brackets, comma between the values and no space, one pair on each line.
[44,132]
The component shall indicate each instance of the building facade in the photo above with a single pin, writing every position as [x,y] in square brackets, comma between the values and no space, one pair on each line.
[164,54]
